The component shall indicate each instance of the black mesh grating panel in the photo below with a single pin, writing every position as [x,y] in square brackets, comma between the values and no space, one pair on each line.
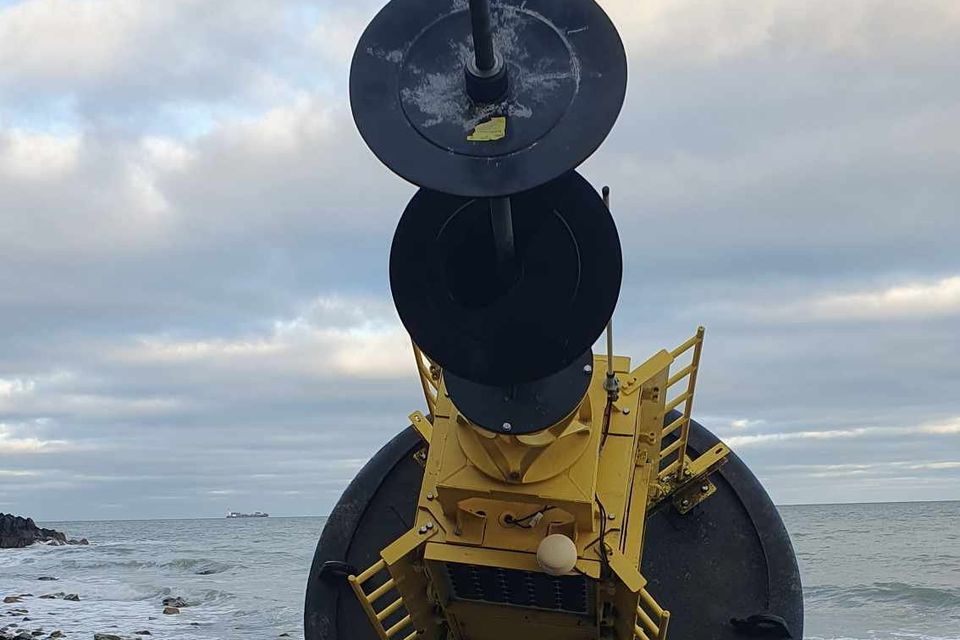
[569,594]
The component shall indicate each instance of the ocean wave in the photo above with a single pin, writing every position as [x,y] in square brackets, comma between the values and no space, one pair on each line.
[886,593]
[197,566]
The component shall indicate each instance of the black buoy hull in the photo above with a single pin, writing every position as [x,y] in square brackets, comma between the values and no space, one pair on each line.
[725,570]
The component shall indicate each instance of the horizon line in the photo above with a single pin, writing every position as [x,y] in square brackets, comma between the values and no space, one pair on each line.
[778,506]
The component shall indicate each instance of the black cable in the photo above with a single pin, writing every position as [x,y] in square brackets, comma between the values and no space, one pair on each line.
[522,522]
[604,562]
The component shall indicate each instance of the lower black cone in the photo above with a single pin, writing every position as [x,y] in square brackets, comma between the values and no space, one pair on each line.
[497,328]
[522,408]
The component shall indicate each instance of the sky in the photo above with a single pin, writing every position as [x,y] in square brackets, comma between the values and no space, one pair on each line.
[194,306]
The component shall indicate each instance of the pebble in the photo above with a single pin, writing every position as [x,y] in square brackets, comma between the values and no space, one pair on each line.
[171,610]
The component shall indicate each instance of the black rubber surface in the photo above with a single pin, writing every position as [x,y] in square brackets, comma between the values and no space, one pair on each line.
[567,75]
[730,557]
[496,331]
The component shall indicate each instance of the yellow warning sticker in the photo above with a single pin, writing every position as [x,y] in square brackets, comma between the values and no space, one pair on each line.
[493,129]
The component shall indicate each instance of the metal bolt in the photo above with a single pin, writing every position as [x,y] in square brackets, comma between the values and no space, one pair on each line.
[507,426]
[626,411]
[611,516]
[587,368]
[429,496]
[684,503]
[429,526]
[687,473]
[704,488]
[422,530]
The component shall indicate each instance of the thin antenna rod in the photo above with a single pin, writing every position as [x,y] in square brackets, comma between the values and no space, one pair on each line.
[611,384]
[610,348]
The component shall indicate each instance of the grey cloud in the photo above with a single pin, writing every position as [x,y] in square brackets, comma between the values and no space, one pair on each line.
[203,319]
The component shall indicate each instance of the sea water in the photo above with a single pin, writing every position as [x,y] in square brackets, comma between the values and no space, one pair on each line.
[870,572]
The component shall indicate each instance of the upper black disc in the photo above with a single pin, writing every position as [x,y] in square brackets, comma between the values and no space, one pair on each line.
[523,408]
[567,79]
[445,283]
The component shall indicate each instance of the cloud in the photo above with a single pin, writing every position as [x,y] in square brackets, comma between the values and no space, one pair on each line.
[113,58]
[13,443]
[681,33]
[195,245]
[910,300]
[951,427]
[17,473]
[334,336]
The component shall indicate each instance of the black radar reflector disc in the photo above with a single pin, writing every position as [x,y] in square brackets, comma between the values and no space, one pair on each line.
[499,328]
[567,76]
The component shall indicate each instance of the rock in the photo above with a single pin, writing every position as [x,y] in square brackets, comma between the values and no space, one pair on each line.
[175,601]
[142,633]
[106,636]
[17,532]
[56,634]
[72,597]
[171,610]
[11,599]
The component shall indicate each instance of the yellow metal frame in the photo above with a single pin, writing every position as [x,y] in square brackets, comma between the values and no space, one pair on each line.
[368,600]
[595,476]
[678,449]
[652,619]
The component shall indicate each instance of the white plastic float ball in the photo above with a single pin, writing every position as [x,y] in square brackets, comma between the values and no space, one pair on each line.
[557,555]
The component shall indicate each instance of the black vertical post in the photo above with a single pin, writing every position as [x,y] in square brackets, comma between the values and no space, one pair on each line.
[482,35]
[486,73]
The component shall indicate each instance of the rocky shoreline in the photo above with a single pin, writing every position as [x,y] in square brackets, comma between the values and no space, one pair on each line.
[15,619]
[19,628]
[17,532]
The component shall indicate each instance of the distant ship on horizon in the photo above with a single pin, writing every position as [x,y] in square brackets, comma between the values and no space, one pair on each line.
[255,514]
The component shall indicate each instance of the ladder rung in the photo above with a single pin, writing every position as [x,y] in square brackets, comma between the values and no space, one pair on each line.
[392,631]
[686,345]
[670,449]
[673,404]
[680,375]
[413,634]
[381,590]
[651,603]
[648,623]
[372,571]
[389,609]
[670,428]
[639,634]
